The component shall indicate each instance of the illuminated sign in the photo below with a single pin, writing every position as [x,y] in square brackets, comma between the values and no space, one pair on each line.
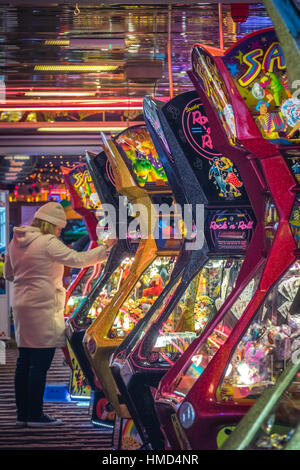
[258,69]
[81,181]
[216,173]
[141,157]
[230,229]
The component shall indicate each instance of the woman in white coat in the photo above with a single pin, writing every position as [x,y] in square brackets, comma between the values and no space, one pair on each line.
[35,263]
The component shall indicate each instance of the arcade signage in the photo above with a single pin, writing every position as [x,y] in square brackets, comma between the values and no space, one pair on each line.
[230,229]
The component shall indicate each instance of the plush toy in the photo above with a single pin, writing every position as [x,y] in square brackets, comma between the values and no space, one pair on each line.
[156,287]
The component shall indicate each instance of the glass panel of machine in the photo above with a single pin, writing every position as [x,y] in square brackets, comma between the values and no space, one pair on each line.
[216,339]
[268,344]
[204,296]
[111,287]
[271,221]
[281,424]
[147,289]
[295,221]
[82,289]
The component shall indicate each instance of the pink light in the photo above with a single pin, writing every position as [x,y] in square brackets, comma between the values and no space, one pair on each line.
[172,342]
[167,359]
[94,273]
[75,108]
[213,342]
[221,333]
[126,313]
[96,101]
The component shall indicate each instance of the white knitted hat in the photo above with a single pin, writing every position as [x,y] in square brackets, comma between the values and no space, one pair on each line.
[52,212]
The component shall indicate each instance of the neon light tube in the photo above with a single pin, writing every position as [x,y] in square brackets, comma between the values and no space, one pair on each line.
[75,68]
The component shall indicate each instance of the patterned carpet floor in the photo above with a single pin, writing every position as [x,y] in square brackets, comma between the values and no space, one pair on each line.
[76,432]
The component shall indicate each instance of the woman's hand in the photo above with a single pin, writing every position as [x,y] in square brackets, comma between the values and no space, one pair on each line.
[109,243]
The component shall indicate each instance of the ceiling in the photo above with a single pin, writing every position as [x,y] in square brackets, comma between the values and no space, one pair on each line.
[72,68]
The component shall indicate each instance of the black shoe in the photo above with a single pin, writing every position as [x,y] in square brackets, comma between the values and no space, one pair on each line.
[43,421]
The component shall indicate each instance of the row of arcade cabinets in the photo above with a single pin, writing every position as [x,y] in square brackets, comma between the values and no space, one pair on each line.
[209,266]
[221,260]
[253,113]
[122,294]
[186,361]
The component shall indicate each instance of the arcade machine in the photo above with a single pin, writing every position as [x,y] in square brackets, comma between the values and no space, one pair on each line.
[181,132]
[139,176]
[246,87]
[85,201]
[108,282]
[273,422]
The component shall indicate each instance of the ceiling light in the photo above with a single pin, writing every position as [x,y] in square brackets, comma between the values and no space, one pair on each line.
[56,42]
[91,43]
[17,157]
[74,68]
[116,43]
[81,129]
[75,108]
[60,93]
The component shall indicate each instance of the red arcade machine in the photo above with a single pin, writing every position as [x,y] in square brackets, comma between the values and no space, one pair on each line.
[248,344]
[85,201]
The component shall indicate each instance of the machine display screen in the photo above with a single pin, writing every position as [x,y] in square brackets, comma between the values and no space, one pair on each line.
[198,305]
[270,342]
[141,157]
[81,181]
[201,358]
[258,68]
[142,296]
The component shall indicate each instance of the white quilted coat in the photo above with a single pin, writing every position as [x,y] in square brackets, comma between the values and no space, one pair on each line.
[35,263]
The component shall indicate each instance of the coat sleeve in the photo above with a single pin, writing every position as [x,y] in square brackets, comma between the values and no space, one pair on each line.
[8,272]
[60,253]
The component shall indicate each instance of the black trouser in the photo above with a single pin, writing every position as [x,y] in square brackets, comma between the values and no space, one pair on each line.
[30,381]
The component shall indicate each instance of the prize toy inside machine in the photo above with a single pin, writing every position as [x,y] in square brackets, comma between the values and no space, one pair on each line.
[199,175]
[139,176]
[109,281]
[246,348]
[273,422]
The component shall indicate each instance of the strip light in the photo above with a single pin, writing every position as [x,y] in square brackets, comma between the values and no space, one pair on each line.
[74,68]
[59,93]
[81,129]
[76,108]
[57,42]
[96,101]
